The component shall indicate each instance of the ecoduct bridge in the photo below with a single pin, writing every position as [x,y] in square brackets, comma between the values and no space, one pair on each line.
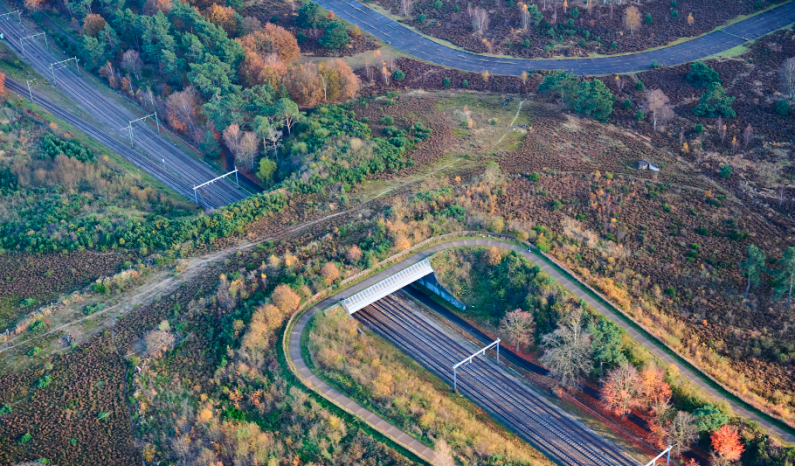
[421,272]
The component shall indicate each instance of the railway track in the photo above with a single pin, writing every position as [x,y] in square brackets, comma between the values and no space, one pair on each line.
[152,153]
[561,437]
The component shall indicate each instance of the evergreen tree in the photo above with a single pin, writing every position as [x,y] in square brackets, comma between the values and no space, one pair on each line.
[785,276]
[335,36]
[211,77]
[715,101]
[709,418]
[173,66]
[92,50]
[594,98]
[607,344]
[209,146]
[753,266]
[310,16]
[563,84]
[702,75]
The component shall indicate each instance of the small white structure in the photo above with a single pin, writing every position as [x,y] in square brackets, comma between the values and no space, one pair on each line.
[646,165]
[387,286]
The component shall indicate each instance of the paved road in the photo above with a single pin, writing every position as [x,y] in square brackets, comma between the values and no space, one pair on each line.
[293,341]
[167,162]
[419,46]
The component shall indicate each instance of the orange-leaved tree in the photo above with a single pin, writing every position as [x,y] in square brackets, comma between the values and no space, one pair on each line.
[338,80]
[93,24]
[223,17]
[304,85]
[727,446]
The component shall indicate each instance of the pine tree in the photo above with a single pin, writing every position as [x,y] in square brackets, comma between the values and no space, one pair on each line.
[785,276]
[335,36]
[753,266]
[594,98]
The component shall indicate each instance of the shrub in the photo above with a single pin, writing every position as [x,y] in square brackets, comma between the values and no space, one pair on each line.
[25,438]
[639,85]
[5,409]
[446,82]
[648,19]
[726,171]
[582,43]
[527,42]
[613,45]
[438,4]
[465,84]
[575,13]
[53,147]
[674,14]
[655,65]
[640,115]
[782,107]
[457,8]
[534,177]
[758,4]
[399,75]
[674,4]
[300,37]
[422,18]
[699,128]
[701,75]
[557,205]
[627,104]
[274,19]
[44,381]
[387,120]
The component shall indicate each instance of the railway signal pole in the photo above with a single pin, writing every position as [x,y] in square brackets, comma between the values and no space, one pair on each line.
[470,358]
[22,41]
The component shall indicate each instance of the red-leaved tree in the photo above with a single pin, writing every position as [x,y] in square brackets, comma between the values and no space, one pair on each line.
[727,446]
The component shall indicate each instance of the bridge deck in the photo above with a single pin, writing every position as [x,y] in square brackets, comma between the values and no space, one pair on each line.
[387,286]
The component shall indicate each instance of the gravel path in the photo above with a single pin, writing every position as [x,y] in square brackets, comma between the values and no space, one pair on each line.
[163,159]
[415,44]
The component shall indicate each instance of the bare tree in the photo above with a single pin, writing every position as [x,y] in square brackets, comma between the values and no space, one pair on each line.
[443,454]
[248,150]
[131,62]
[632,19]
[182,106]
[568,349]
[657,104]
[681,432]
[748,135]
[272,136]
[518,326]
[232,137]
[623,390]
[788,77]
[406,6]
[480,19]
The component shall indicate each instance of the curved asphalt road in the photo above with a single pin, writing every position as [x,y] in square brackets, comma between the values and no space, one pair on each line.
[292,342]
[419,46]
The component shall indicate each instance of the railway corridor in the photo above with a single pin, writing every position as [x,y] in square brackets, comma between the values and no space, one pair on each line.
[558,435]
[152,152]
